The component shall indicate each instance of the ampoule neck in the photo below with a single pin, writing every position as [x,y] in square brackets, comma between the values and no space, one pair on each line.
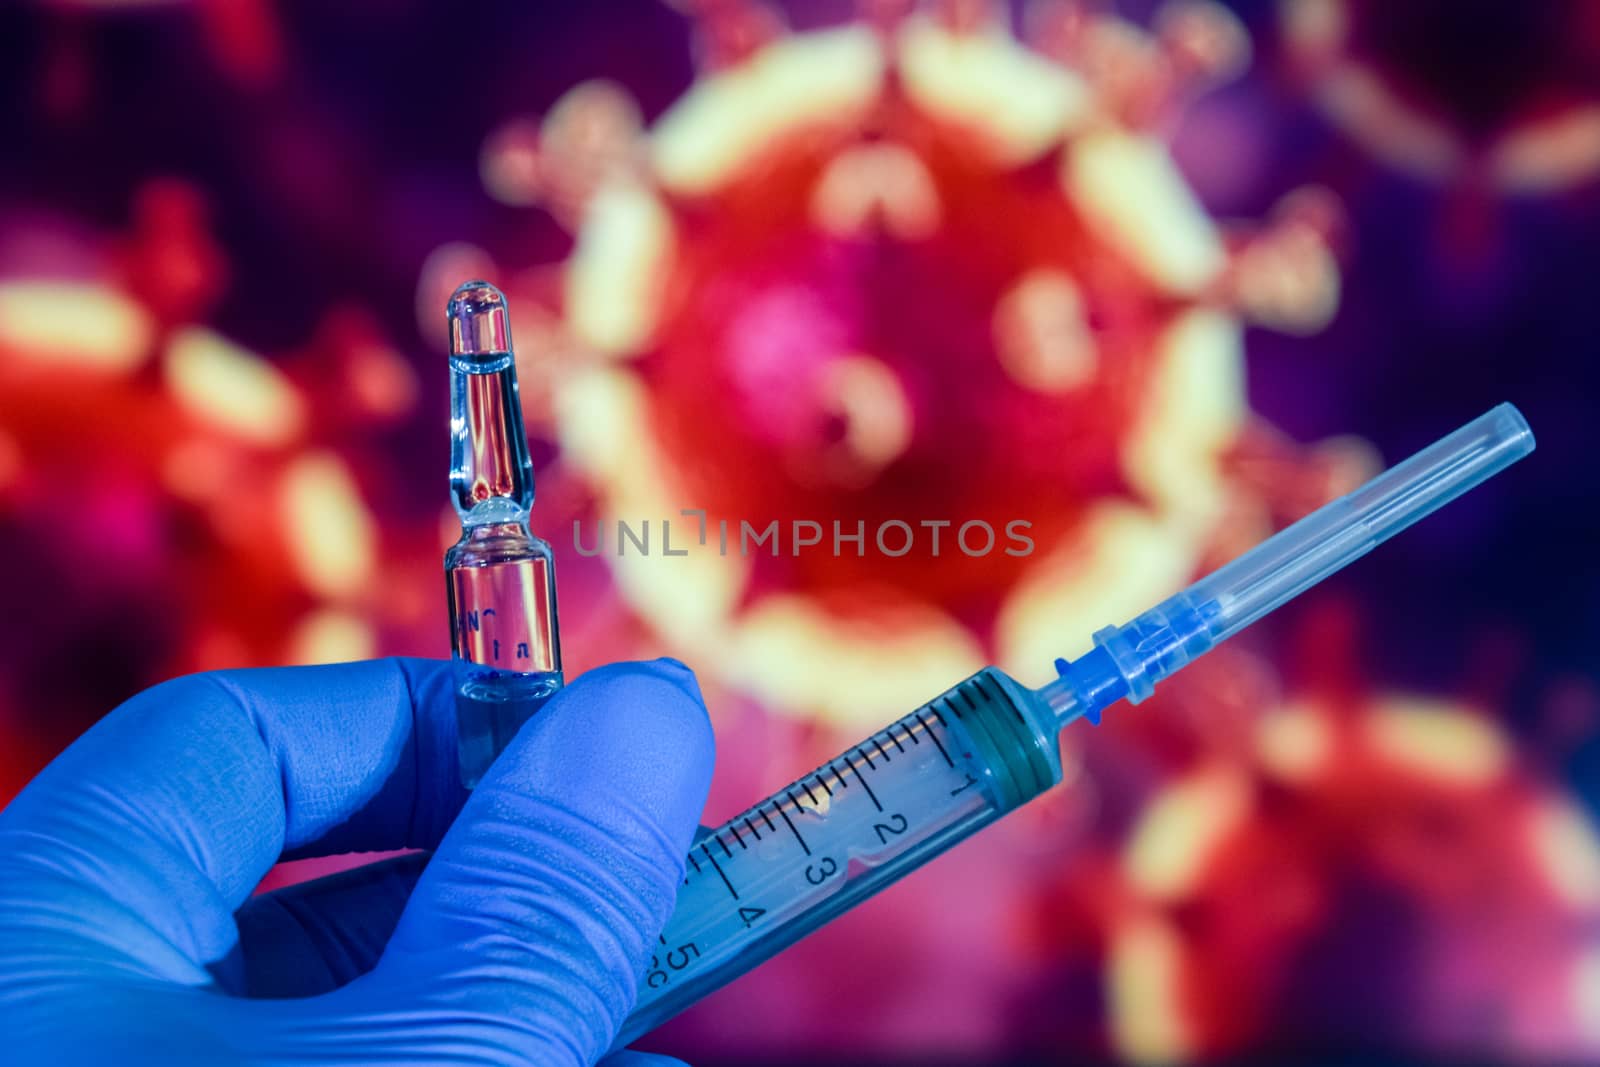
[495,517]
[496,542]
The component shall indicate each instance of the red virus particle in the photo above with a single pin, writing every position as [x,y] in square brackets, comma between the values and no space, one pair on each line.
[1498,97]
[172,501]
[904,270]
[1373,871]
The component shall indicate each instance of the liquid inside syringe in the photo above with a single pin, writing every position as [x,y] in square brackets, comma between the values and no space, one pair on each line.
[819,846]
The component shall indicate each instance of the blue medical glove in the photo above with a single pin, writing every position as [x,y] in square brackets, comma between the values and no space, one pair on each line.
[128,934]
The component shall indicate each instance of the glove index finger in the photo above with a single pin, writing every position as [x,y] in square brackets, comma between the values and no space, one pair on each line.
[150,830]
[540,907]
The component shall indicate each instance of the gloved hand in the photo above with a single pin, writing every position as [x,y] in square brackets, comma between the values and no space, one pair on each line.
[128,934]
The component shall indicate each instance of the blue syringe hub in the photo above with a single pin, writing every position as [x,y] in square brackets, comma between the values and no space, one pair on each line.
[1127,661]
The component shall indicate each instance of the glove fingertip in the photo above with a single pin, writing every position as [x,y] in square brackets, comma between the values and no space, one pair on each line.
[636,732]
[630,1058]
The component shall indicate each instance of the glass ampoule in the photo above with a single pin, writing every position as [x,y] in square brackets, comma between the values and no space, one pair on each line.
[499,577]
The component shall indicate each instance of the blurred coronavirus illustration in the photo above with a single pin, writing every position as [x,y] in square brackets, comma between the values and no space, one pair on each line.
[1525,119]
[1068,356]
[860,345]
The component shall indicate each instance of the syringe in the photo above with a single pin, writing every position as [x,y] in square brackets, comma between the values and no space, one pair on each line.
[821,845]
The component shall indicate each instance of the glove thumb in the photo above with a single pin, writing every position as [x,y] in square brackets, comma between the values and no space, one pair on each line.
[528,932]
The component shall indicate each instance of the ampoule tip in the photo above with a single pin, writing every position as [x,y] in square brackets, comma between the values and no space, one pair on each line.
[479,322]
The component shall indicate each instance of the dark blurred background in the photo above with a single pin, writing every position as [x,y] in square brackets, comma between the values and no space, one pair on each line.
[1156,280]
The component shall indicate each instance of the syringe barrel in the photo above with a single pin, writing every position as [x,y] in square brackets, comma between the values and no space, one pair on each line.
[1284,566]
[821,845]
